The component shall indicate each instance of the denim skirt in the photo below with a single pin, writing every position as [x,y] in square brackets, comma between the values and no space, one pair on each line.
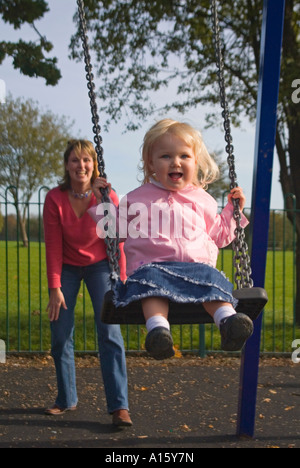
[178,281]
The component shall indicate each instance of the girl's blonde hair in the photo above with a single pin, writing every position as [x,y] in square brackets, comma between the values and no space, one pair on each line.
[207,170]
[78,146]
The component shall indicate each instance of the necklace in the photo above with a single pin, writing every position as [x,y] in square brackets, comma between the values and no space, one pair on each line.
[81,196]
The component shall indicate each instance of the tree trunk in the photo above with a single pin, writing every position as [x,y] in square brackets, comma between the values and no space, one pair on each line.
[22,224]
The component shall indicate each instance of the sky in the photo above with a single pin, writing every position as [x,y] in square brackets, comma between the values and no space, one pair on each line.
[121,150]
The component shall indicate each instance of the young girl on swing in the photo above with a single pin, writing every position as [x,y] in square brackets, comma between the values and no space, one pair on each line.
[172,235]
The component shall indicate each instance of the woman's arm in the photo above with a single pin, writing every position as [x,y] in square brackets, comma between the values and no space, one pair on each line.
[54,256]
[53,240]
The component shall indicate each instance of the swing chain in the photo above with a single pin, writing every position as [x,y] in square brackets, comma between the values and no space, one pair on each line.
[91,87]
[112,244]
[241,258]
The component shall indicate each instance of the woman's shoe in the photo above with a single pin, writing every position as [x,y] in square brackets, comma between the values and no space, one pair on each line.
[121,418]
[56,410]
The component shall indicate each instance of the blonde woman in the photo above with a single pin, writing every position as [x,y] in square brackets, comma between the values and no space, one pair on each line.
[172,232]
[75,253]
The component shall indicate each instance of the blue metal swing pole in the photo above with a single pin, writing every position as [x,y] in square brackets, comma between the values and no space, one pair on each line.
[271,43]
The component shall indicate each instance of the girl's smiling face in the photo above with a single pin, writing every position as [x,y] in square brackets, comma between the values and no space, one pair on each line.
[173,162]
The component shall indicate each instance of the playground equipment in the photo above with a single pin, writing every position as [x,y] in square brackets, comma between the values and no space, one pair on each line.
[251,299]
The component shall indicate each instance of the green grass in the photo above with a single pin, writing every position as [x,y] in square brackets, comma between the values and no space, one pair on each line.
[24,324]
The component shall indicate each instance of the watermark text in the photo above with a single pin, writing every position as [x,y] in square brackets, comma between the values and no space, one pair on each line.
[296,93]
[149,221]
[295,354]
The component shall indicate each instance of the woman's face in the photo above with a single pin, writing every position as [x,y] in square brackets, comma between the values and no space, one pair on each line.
[80,167]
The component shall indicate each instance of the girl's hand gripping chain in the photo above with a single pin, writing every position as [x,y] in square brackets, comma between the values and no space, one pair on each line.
[237,193]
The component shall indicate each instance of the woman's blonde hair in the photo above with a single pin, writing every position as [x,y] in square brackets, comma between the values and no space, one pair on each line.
[207,170]
[78,146]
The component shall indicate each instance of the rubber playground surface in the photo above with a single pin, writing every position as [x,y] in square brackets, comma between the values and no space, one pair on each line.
[183,403]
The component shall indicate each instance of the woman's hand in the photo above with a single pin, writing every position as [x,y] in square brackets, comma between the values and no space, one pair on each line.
[56,301]
[98,184]
[235,193]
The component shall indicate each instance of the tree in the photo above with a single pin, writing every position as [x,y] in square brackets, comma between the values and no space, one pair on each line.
[143,47]
[219,188]
[28,57]
[31,148]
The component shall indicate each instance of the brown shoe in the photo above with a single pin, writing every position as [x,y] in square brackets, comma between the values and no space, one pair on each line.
[121,418]
[56,410]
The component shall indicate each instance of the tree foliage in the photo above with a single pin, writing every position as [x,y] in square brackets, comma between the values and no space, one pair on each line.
[143,47]
[29,57]
[31,147]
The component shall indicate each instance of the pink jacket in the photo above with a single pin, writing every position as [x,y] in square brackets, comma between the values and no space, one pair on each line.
[159,226]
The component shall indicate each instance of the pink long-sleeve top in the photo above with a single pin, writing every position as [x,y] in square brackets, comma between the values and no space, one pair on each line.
[69,239]
[158,225]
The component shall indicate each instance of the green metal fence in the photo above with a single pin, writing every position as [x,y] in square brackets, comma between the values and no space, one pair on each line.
[24,325]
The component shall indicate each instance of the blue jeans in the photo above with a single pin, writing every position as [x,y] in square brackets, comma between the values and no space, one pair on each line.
[110,340]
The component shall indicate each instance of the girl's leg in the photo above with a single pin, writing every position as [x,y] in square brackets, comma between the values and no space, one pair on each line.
[110,340]
[159,342]
[235,328]
[219,311]
[156,311]
[62,344]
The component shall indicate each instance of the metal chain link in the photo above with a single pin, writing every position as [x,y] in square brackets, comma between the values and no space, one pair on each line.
[241,258]
[112,244]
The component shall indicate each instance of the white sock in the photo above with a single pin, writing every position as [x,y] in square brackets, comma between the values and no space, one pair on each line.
[223,312]
[157,321]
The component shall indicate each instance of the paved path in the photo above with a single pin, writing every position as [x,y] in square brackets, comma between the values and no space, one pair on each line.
[182,403]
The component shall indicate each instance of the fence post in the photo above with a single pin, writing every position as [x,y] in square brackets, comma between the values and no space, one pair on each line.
[40,217]
[291,195]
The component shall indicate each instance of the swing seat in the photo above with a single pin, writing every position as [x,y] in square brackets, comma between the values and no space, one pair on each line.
[251,303]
